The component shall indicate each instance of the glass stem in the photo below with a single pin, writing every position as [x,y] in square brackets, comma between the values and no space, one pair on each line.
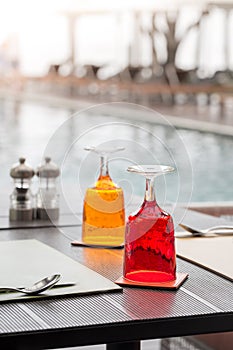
[150,194]
[103,166]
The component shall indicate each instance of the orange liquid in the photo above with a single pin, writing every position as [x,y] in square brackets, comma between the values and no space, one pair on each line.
[104,214]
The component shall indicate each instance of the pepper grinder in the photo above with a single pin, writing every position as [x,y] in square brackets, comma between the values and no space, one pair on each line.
[21,200]
[47,199]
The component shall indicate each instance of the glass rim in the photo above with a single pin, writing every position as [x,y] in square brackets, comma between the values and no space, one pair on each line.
[103,150]
[150,169]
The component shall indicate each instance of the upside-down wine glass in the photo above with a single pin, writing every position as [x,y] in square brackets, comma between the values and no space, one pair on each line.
[149,237]
[103,211]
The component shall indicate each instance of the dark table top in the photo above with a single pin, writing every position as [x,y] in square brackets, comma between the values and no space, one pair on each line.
[204,304]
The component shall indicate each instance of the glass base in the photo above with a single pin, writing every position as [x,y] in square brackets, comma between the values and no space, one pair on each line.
[172,285]
[150,276]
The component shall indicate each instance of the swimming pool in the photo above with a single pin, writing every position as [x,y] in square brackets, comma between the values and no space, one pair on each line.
[203,160]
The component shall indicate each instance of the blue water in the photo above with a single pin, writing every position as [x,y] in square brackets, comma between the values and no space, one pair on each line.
[203,161]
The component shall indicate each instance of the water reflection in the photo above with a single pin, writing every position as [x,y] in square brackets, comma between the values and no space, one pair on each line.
[25,130]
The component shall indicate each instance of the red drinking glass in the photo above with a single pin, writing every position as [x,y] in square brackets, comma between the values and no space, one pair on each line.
[149,238]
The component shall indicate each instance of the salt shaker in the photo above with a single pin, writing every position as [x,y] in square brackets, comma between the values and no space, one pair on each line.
[47,199]
[21,200]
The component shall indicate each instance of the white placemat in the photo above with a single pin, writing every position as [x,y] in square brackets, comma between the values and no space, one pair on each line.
[24,262]
[213,253]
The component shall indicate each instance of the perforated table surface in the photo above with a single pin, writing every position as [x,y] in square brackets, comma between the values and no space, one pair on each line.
[204,304]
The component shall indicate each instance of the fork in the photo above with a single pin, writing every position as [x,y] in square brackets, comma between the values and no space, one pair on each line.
[213,231]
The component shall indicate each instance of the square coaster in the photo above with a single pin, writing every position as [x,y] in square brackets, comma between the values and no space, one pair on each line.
[99,246]
[173,285]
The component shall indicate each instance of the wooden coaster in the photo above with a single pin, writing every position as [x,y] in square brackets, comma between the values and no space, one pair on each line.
[180,278]
[99,246]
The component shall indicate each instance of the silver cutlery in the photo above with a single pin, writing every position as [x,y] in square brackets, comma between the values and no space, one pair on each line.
[36,288]
[213,231]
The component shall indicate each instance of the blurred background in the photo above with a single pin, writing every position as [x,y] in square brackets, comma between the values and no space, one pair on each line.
[175,57]
[144,51]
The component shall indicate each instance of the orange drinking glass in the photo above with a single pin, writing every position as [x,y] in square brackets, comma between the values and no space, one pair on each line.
[103,210]
[149,237]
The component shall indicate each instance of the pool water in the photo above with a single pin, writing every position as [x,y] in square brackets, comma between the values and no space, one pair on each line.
[203,161]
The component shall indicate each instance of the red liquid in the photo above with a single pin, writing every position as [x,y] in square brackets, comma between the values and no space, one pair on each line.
[149,245]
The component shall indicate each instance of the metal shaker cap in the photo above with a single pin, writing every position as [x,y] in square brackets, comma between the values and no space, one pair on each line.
[21,170]
[48,169]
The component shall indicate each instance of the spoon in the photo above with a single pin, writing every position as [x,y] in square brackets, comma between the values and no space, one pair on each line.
[36,288]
